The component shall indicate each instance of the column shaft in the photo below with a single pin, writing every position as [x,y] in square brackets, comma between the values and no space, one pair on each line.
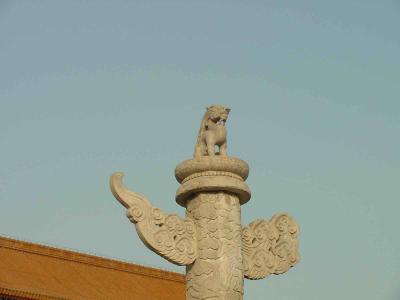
[217,273]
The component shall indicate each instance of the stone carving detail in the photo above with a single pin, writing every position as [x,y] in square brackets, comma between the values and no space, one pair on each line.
[210,241]
[270,246]
[217,273]
[212,132]
[166,234]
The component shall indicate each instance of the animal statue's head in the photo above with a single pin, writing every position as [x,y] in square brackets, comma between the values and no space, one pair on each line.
[218,114]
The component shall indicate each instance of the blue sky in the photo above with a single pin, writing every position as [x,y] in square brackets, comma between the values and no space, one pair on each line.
[88,88]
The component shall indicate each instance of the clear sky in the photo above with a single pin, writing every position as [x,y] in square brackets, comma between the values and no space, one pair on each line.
[88,88]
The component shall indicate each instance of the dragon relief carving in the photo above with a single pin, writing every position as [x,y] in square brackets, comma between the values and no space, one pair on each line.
[270,246]
[217,272]
[168,235]
[212,132]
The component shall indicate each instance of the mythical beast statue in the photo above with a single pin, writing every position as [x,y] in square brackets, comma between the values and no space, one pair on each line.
[212,132]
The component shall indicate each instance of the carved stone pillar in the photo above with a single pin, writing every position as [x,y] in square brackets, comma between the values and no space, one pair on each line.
[210,241]
[217,273]
[212,190]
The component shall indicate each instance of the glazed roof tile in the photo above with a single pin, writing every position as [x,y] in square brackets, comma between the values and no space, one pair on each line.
[34,271]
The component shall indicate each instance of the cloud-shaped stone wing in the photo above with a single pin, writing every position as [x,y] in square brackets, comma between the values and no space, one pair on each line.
[166,234]
[269,246]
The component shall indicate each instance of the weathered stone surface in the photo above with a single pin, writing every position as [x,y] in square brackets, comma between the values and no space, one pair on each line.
[217,273]
[212,173]
[210,241]
[270,246]
[212,132]
[168,235]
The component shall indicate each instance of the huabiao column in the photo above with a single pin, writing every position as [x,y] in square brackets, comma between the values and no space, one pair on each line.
[217,251]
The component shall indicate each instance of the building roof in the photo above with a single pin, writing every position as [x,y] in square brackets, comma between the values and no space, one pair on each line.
[33,271]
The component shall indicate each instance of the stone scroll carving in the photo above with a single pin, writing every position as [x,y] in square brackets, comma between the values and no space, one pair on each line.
[166,234]
[269,246]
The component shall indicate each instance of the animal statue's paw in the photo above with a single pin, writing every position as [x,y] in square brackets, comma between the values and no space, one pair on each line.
[270,246]
[166,234]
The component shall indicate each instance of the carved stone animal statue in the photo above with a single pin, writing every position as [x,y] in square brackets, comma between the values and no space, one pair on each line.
[212,132]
